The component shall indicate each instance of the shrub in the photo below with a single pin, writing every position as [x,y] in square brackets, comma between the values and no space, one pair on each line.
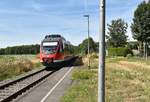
[129,55]
[120,51]
[127,51]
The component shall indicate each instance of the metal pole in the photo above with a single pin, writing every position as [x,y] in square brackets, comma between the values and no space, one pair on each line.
[101,72]
[88,18]
[146,49]
[88,43]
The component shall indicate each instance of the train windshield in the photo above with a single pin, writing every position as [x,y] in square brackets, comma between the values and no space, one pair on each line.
[49,47]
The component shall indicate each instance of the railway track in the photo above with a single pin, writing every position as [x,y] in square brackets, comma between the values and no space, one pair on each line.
[11,90]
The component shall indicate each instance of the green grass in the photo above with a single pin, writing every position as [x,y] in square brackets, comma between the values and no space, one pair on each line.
[13,65]
[127,80]
[82,74]
[85,87]
[130,59]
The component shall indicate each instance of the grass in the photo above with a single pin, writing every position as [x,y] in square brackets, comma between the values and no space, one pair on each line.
[127,80]
[84,88]
[82,75]
[11,65]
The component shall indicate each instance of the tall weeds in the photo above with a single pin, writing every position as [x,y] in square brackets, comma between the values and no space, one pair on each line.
[12,66]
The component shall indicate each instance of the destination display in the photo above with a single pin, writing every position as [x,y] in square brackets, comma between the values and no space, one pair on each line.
[50,43]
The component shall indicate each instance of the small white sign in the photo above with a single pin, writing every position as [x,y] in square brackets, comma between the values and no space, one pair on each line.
[50,44]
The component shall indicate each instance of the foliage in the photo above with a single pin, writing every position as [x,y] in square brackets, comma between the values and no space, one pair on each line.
[128,52]
[83,47]
[116,33]
[141,22]
[129,55]
[120,51]
[116,51]
[133,45]
[74,49]
[24,49]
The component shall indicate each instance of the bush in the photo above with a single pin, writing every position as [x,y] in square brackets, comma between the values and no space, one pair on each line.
[129,55]
[120,51]
[128,51]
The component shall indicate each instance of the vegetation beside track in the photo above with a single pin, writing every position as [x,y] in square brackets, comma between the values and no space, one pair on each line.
[127,80]
[13,65]
[84,88]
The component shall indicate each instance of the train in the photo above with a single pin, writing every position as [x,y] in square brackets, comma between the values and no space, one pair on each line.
[54,49]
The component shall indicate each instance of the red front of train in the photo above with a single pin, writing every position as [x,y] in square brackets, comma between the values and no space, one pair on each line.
[52,49]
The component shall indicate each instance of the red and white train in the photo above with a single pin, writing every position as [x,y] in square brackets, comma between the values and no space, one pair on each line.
[54,49]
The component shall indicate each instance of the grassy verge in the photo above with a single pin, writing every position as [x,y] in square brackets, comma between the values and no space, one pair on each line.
[127,80]
[84,88]
[15,65]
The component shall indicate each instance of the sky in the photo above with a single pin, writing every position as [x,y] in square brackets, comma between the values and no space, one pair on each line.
[24,22]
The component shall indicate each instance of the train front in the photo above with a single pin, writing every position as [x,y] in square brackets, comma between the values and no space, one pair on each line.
[50,52]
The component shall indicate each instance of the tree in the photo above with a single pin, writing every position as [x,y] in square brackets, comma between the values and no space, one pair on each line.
[141,24]
[116,36]
[83,47]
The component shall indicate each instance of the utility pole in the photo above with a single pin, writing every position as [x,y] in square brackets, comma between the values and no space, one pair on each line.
[101,71]
[146,51]
[146,47]
[88,18]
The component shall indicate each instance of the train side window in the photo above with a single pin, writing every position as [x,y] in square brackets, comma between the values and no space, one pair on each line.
[61,48]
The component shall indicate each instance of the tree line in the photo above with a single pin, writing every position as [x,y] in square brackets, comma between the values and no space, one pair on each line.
[35,49]
[24,49]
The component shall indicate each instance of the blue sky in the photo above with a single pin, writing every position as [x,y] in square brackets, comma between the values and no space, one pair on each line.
[28,21]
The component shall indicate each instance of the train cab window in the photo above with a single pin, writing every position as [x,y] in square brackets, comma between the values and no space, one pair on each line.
[49,47]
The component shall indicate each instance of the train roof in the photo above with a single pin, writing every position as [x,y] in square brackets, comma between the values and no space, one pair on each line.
[53,37]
